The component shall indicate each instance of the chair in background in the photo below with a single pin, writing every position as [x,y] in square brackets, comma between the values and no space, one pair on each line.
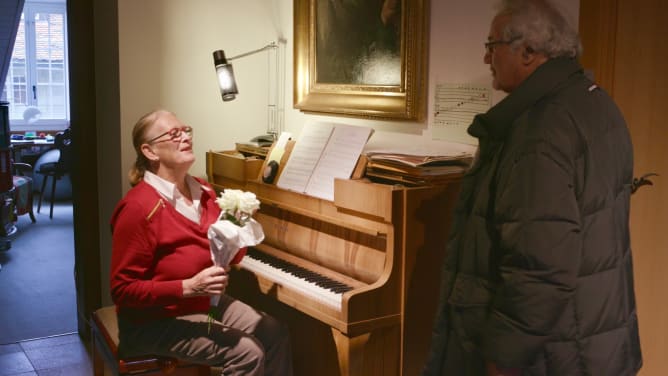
[23,191]
[56,170]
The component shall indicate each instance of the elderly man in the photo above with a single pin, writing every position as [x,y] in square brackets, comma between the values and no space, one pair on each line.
[538,277]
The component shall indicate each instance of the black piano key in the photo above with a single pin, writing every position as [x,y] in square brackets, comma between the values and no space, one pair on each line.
[299,272]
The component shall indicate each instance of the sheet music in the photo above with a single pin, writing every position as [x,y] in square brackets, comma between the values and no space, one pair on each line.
[455,106]
[338,160]
[324,151]
[304,157]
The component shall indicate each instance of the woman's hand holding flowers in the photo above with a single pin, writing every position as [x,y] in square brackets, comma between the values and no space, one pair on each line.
[230,236]
[211,281]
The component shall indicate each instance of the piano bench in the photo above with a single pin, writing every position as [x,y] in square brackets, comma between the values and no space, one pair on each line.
[104,334]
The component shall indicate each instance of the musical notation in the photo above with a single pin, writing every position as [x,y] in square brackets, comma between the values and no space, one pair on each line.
[323,152]
[455,105]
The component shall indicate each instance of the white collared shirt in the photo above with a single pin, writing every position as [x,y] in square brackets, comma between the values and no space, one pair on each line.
[173,196]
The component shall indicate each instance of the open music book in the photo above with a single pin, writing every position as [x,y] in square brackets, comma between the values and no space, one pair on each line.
[324,151]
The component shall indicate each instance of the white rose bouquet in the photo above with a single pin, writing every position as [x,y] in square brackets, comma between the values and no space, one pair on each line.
[234,231]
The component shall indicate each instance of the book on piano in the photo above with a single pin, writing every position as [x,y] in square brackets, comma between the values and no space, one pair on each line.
[323,152]
[413,176]
[431,169]
[418,167]
[422,155]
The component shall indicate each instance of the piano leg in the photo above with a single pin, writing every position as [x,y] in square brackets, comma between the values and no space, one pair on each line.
[350,352]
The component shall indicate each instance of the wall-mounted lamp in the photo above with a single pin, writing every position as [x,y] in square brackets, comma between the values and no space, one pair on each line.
[229,91]
[228,86]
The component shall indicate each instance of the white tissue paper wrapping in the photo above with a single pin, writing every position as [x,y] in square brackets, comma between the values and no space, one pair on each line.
[226,238]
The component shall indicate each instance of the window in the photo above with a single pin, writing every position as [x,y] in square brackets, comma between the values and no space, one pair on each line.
[37,82]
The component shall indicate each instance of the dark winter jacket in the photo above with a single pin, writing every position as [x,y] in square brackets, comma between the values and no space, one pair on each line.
[538,273]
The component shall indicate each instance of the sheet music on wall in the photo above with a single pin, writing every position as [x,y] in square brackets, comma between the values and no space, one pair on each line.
[455,105]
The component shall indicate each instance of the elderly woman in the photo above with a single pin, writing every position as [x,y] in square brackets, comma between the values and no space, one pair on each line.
[162,276]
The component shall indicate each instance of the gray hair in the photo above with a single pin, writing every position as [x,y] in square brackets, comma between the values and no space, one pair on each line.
[541,27]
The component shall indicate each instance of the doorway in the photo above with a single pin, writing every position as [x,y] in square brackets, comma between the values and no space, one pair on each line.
[38,294]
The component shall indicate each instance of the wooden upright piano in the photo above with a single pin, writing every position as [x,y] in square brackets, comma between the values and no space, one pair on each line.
[355,279]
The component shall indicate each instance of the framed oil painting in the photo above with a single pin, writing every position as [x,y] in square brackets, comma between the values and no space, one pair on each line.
[361,58]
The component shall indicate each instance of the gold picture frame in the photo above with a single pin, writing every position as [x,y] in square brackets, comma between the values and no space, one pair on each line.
[354,60]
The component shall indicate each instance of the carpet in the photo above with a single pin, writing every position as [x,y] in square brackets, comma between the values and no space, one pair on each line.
[37,292]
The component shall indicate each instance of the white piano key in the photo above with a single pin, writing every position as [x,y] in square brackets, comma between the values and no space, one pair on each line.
[288,280]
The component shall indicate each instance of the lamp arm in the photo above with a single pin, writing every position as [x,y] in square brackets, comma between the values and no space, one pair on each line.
[270,45]
[275,101]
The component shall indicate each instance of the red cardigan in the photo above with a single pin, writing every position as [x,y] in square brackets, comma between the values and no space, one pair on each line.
[154,249]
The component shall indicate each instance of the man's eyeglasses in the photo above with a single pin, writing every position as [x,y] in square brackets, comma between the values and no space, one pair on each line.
[489,46]
[174,133]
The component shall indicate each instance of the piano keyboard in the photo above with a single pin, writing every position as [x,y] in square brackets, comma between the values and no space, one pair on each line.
[320,288]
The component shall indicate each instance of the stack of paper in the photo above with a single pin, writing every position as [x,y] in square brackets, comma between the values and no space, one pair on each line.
[415,168]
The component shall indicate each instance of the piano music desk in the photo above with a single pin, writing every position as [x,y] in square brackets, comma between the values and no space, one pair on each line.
[384,242]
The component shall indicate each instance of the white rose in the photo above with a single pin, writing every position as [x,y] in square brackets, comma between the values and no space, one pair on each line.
[248,203]
[229,199]
[237,205]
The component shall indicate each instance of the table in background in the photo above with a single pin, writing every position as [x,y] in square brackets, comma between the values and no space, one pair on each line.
[29,148]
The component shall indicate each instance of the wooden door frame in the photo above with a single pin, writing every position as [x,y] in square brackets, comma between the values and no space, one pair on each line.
[624,47]
[80,16]
[598,33]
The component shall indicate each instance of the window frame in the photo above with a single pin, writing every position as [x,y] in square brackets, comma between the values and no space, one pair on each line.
[19,124]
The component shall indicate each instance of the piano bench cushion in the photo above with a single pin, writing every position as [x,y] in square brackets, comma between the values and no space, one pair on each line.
[104,333]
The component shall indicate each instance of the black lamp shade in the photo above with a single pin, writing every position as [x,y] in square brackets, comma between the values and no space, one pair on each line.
[228,86]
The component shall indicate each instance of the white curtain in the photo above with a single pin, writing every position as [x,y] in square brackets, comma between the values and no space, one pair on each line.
[10,15]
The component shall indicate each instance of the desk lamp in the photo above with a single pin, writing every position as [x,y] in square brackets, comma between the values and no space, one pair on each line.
[229,91]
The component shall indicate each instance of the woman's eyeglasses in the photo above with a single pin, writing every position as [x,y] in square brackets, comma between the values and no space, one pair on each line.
[174,133]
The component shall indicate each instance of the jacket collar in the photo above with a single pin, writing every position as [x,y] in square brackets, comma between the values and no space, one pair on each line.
[496,123]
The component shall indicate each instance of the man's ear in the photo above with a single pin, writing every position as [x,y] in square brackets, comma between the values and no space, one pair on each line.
[528,55]
[148,153]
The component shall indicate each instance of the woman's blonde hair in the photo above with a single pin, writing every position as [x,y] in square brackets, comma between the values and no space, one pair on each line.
[142,164]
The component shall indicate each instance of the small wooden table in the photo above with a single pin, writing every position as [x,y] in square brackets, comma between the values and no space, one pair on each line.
[38,146]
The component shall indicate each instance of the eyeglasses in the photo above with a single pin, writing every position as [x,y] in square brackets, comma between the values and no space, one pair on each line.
[174,133]
[489,46]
